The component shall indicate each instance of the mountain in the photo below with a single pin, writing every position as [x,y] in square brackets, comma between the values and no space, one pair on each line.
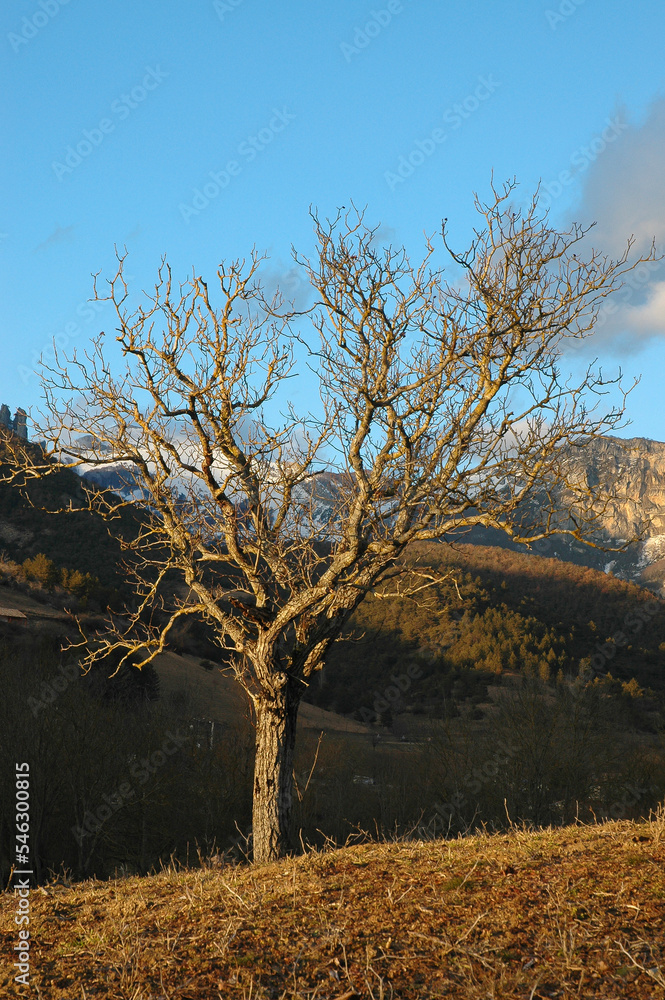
[635,466]
[635,469]
[638,464]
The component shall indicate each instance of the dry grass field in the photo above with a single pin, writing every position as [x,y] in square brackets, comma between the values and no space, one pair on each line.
[566,913]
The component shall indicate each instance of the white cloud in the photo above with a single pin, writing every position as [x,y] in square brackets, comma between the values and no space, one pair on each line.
[648,319]
[624,194]
[624,190]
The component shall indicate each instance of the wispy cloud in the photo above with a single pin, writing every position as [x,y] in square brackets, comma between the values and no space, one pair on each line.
[290,280]
[59,235]
[384,236]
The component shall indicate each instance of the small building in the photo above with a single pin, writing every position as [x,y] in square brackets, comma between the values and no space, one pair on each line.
[12,615]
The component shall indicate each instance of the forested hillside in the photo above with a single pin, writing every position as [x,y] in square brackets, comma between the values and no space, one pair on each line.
[75,541]
[500,612]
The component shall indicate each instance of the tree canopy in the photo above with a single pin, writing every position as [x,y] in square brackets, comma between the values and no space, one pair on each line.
[442,406]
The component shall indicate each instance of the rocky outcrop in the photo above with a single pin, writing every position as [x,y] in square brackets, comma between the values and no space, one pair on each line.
[630,474]
[18,423]
[634,470]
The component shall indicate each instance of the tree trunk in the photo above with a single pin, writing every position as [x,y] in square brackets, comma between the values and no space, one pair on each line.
[273,775]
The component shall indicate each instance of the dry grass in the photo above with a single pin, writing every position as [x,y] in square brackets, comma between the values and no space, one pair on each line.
[212,695]
[571,913]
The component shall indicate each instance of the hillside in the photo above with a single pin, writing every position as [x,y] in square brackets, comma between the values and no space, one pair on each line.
[634,468]
[202,693]
[77,540]
[520,684]
[519,690]
[500,613]
[578,912]
[208,694]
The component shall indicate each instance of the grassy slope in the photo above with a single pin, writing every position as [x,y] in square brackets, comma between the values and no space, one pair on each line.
[207,694]
[210,695]
[39,615]
[525,915]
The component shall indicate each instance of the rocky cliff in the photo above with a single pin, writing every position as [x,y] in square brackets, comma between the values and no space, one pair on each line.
[631,471]
[633,467]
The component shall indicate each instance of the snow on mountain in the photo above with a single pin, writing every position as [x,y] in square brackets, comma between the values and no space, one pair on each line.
[636,465]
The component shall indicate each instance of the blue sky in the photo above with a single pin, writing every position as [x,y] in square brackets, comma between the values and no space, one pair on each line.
[117,114]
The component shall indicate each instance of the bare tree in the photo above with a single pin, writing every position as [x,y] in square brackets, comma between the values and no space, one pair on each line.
[441,407]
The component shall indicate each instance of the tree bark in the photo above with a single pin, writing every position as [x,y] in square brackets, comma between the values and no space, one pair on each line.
[273,775]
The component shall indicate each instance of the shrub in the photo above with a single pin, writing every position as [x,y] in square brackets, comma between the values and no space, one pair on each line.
[41,569]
